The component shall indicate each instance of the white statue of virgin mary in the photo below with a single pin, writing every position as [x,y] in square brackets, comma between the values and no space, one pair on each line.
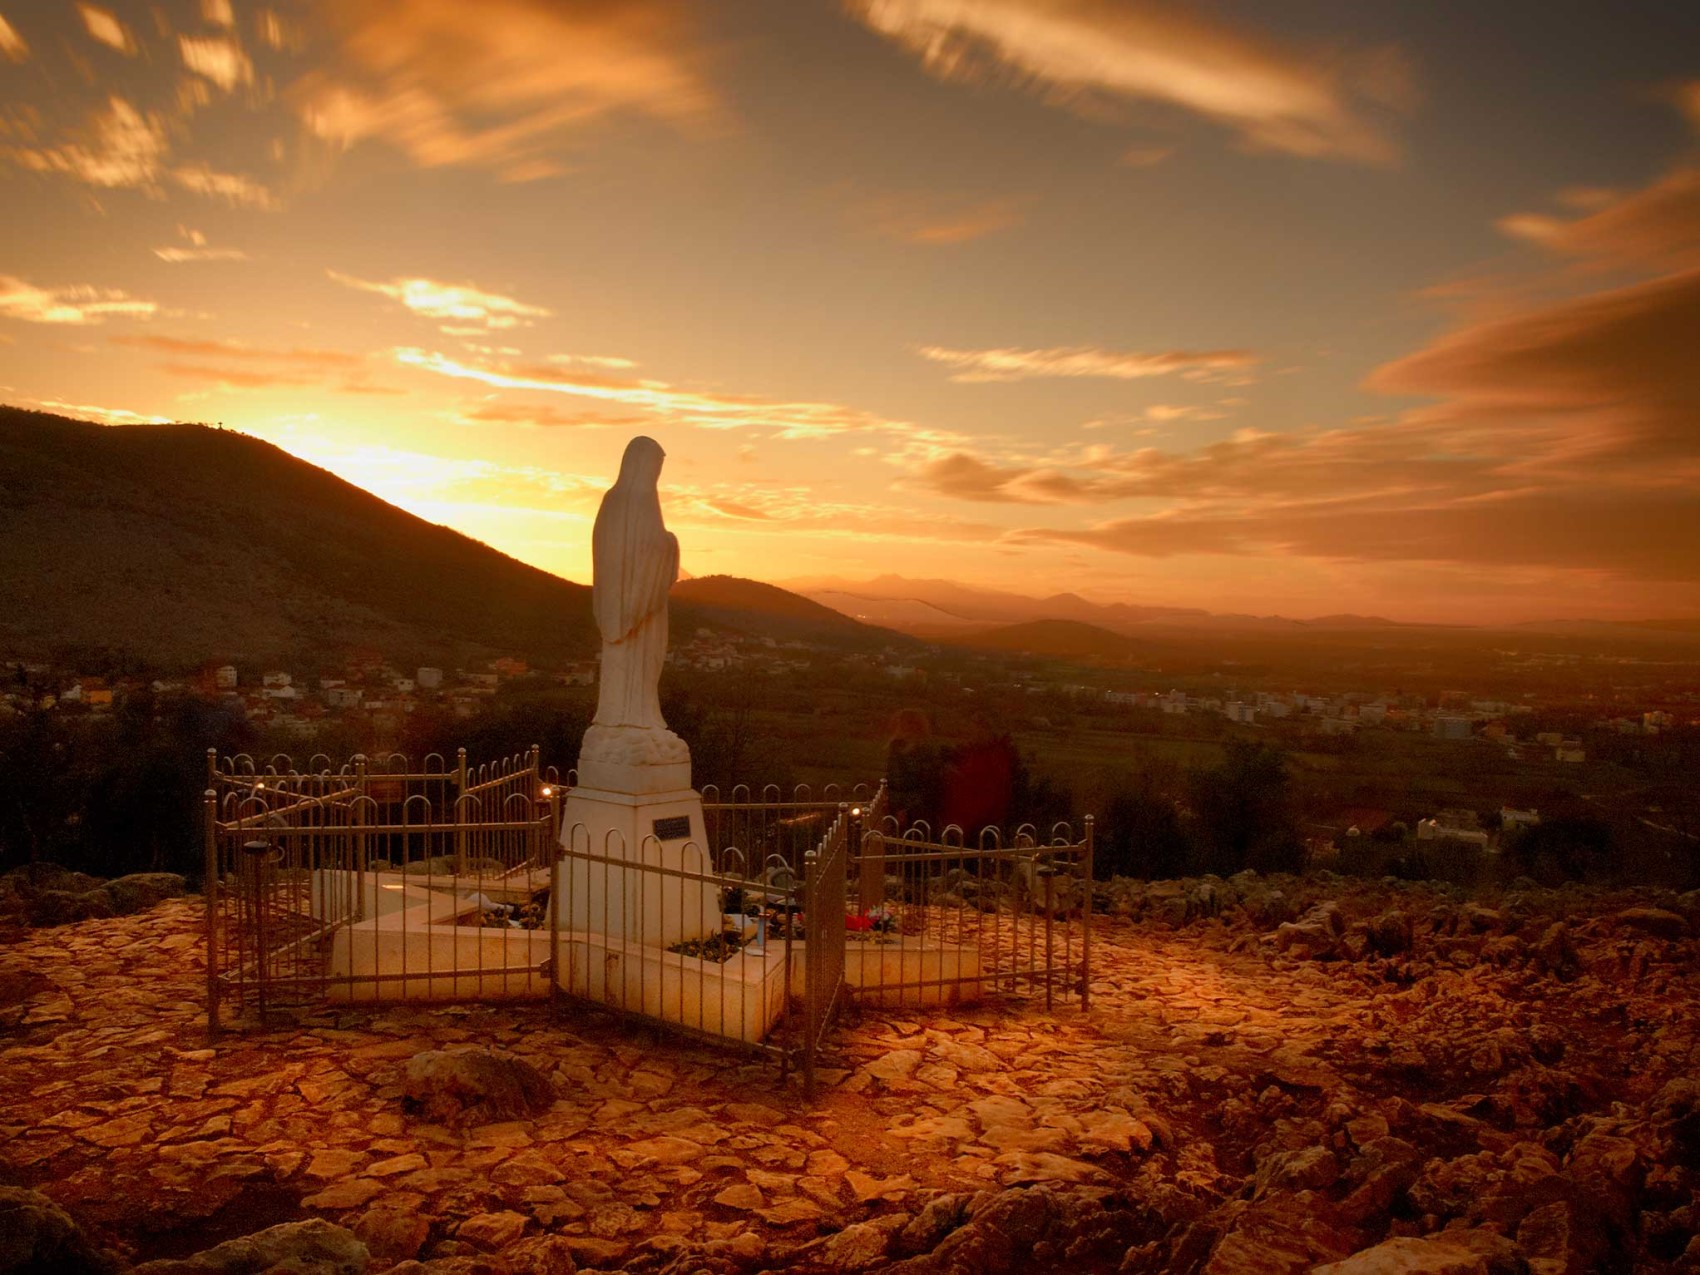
[636,562]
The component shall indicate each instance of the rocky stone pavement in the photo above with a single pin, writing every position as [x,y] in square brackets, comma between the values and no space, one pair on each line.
[1274,1077]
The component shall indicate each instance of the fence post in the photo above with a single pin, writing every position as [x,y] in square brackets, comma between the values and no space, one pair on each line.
[1086,925]
[811,972]
[460,812]
[256,851]
[1049,874]
[553,914]
[209,893]
[870,879]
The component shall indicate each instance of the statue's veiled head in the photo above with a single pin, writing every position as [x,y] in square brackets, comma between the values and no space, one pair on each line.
[641,465]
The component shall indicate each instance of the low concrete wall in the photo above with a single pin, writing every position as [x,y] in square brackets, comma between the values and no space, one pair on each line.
[739,999]
[904,971]
[418,953]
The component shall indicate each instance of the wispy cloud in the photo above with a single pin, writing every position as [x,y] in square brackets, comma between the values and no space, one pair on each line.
[1563,439]
[502,84]
[12,45]
[1687,99]
[236,378]
[179,255]
[73,305]
[934,219]
[1559,437]
[219,59]
[101,25]
[1613,370]
[213,348]
[697,409]
[465,308]
[613,361]
[232,188]
[1012,364]
[102,415]
[545,416]
[1145,156]
[1090,54]
[1656,228]
[236,365]
[120,147]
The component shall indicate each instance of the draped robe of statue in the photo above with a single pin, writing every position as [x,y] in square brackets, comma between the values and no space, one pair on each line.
[636,564]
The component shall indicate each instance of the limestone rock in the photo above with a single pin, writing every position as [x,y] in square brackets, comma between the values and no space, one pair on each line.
[393,1233]
[1279,1235]
[1309,1168]
[938,1217]
[1316,934]
[863,1244]
[1031,1228]
[1390,933]
[1659,922]
[475,1086]
[314,1247]
[1555,953]
[1430,1255]
[541,1255]
[37,1237]
[141,890]
[1560,1239]
[896,1065]
[61,907]
[1676,1117]
[492,1231]
[47,895]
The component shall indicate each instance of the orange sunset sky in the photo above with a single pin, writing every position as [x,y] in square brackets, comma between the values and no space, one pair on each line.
[1297,308]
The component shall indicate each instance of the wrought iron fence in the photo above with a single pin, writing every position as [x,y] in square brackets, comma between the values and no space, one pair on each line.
[769,821]
[938,919]
[376,880]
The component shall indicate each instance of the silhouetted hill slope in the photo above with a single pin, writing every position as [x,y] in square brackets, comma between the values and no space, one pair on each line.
[770,611]
[176,543]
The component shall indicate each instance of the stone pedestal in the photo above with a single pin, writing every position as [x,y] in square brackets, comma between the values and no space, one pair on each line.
[658,832]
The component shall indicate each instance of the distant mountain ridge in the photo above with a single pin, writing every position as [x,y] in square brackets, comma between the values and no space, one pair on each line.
[933,606]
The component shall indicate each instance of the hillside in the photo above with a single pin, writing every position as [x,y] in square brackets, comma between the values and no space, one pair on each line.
[176,543]
[765,609]
[931,607]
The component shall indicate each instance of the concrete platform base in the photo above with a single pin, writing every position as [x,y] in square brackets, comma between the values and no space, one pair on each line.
[903,971]
[414,950]
[738,999]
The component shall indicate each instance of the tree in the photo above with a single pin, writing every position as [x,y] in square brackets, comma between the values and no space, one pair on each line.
[1565,847]
[1242,813]
[1139,833]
